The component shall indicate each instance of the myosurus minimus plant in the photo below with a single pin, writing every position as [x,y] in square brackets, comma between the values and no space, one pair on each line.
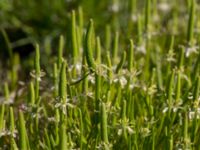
[130,84]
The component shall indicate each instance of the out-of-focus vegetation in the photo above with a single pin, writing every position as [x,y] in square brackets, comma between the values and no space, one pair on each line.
[98,74]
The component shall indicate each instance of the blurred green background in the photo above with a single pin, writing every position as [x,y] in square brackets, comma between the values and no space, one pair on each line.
[27,22]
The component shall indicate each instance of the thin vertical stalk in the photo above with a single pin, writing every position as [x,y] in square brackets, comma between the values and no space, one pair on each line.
[197,89]
[107,37]
[115,47]
[81,129]
[191,23]
[63,91]
[60,51]
[97,95]
[55,79]
[88,46]
[98,50]
[74,38]
[22,132]
[171,142]
[63,138]
[37,71]
[123,117]
[109,71]
[63,83]
[104,133]
[130,56]
[170,90]
[31,94]
[121,63]
[147,15]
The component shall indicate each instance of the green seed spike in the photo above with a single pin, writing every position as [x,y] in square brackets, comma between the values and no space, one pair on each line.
[63,138]
[97,86]
[197,89]
[12,128]
[159,68]
[60,51]
[171,142]
[6,91]
[185,128]
[88,46]
[97,95]
[22,132]
[115,48]
[147,15]
[2,107]
[122,61]
[188,3]
[37,71]
[170,89]
[63,83]
[130,56]
[108,61]
[123,117]
[74,38]
[13,144]
[191,22]
[11,120]
[81,129]
[98,50]
[80,27]
[178,87]
[2,111]
[47,139]
[79,39]
[181,59]
[104,133]
[139,30]
[31,93]
[80,18]
[55,79]
[153,139]
[85,80]
[37,60]
[107,37]
[196,70]
[171,47]
[154,5]
[132,6]
[14,75]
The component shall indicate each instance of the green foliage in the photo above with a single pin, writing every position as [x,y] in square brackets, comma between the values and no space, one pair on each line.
[132,81]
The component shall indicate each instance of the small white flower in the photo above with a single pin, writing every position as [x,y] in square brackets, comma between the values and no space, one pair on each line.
[134,17]
[115,8]
[130,130]
[119,132]
[122,81]
[51,119]
[165,110]
[145,132]
[38,77]
[131,86]
[170,56]
[165,7]
[194,113]
[191,115]
[189,50]
[141,48]
[78,67]
[91,79]
[152,89]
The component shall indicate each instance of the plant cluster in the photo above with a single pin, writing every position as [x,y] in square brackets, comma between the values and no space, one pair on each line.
[134,89]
